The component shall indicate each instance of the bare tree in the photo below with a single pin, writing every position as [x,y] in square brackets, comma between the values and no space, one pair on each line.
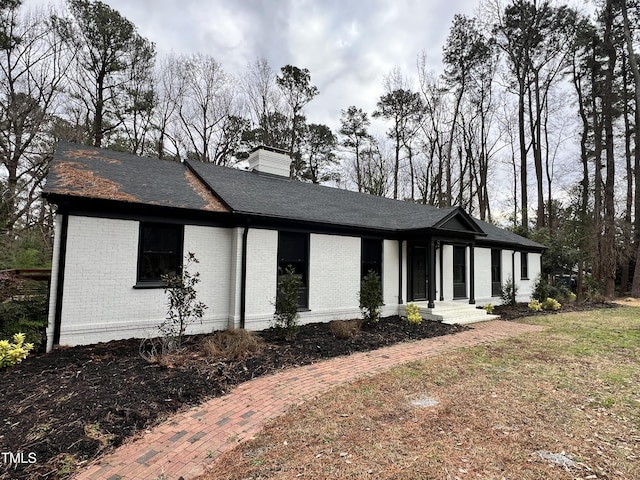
[354,124]
[405,109]
[297,90]
[32,74]
[206,103]
[109,51]
[264,102]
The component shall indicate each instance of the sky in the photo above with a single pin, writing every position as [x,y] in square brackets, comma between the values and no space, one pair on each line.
[347,45]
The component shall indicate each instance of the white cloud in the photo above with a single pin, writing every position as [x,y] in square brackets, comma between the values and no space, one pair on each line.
[347,45]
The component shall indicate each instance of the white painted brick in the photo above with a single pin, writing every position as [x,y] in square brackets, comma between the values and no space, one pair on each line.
[334,272]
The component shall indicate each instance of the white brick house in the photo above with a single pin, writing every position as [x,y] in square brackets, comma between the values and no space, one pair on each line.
[122,221]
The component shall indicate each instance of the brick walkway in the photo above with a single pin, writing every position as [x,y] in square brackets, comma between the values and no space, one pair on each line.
[185,444]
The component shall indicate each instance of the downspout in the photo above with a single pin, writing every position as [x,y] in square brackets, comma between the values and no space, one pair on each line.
[243,276]
[400,300]
[62,257]
[513,267]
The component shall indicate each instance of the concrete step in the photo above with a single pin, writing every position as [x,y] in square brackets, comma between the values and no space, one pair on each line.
[452,313]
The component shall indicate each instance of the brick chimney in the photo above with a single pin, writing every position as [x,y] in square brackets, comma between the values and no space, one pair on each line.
[272,161]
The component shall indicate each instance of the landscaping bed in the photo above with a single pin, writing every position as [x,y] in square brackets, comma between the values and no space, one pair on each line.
[65,408]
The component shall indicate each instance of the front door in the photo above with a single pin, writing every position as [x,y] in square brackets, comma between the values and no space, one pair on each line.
[419,273]
[459,272]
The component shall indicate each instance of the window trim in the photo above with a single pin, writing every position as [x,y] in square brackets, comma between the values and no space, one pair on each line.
[380,260]
[157,283]
[524,265]
[303,299]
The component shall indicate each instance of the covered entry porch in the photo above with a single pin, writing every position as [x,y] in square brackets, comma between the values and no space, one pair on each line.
[440,262]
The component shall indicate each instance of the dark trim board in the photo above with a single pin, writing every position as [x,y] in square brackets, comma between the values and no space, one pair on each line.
[62,260]
[115,210]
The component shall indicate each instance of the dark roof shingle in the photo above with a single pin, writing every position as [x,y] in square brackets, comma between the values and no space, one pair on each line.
[89,172]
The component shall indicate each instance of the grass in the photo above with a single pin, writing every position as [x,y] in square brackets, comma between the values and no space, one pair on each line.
[572,390]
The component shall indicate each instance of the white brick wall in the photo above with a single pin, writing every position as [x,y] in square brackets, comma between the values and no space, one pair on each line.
[483,275]
[99,301]
[262,261]
[390,250]
[334,278]
[334,272]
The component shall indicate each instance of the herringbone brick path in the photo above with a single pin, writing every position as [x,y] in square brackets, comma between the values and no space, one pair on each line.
[186,443]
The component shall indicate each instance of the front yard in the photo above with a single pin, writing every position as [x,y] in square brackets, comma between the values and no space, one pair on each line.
[560,404]
[67,407]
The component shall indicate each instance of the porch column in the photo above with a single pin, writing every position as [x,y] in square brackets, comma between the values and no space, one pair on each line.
[441,271]
[400,273]
[431,268]
[472,275]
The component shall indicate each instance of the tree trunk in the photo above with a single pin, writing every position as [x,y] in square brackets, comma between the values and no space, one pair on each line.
[635,288]
[609,250]
[524,203]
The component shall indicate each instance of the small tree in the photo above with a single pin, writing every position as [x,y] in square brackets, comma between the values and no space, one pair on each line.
[285,318]
[508,292]
[184,307]
[371,297]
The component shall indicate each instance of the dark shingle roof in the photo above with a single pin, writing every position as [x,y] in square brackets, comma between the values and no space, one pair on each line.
[278,197]
[90,172]
[500,235]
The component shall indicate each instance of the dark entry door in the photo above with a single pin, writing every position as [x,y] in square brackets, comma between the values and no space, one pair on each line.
[459,272]
[419,273]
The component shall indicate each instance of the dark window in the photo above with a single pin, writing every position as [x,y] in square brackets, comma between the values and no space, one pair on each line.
[524,265]
[293,250]
[496,272]
[160,251]
[371,257]
[459,272]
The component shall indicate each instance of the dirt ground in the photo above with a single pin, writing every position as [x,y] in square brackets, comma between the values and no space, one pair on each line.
[69,406]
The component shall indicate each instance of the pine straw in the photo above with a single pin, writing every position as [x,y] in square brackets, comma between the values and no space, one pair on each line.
[345,328]
[232,344]
[76,178]
[571,390]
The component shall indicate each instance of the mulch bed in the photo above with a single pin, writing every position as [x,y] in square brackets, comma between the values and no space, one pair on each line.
[73,404]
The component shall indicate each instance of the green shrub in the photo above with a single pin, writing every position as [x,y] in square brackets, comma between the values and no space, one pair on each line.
[540,289]
[535,305]
[371,297]
[23,309]
[508,293]
[488,308]
[285,318]
[183,306]
[543,290]
[413,314]
[551,304]
[14,353]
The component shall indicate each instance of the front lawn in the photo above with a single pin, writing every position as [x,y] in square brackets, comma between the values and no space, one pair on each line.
[560,404]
